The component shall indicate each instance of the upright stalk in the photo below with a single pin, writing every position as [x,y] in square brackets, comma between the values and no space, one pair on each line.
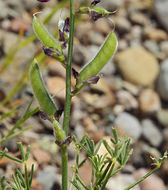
[67,99]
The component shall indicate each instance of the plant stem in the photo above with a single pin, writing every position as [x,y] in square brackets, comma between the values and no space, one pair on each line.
[68,73]
[142,178]
[68,99]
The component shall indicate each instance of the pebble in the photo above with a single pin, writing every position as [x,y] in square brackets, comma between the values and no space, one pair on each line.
[126,99]
[47,177]
[139,18]
[164,47]
[157,35]
[56,86]
[47,144]
[152,46]
[97,101]
[120,182]
[111,5]
[133,89]
[55,68]
[162,82]
[153,182]
[161,12]
[41,156]
[19,24]
[138,66]
[82,32]
[122,44]
[80,55]
[96,38]
[129,124]
[149,101]
[122,24]
[102,27]
[151,133]
[108,69]
[162,117]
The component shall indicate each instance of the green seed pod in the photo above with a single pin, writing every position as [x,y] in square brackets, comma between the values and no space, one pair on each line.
[47,39]
[103,56]
[40,91]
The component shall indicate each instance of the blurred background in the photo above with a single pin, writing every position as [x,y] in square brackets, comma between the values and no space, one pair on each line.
[131,95]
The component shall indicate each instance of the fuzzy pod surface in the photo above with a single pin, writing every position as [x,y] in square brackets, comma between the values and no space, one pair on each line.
[47,39]
[46,102]
[105,53]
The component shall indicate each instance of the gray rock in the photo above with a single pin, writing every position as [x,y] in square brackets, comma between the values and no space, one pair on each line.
[164,47]
[111,4]
[165,134]
[10,144]
[127,100]
[152,46]
[161,11]
[96,38]
[129,124]
[47,177]
[122,24]
[151,132]
[120,182]
[162,117]
[162,82]
[108,69]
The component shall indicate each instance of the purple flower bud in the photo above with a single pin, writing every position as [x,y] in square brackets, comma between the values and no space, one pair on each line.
[95,2]
[43,1]
[66,25]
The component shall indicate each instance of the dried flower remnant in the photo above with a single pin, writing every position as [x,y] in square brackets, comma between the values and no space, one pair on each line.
[44,116]
[95,2]
[64,32]
[66,142]
[61,36]
[95,16]
[66,25]
[92,80]
[75,73]
[58,113]
[43,1]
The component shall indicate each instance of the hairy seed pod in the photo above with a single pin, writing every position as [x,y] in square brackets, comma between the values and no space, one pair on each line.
[47,39]
[103,56]
[46,102]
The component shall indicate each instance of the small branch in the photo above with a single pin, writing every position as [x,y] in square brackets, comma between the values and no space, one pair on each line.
[143,178]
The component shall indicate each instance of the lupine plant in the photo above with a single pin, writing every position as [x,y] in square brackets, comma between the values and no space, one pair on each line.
[118,151]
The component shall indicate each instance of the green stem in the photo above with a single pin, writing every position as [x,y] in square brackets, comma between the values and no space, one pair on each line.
[68,73]
[67,99]
[143,178]
[64,168]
